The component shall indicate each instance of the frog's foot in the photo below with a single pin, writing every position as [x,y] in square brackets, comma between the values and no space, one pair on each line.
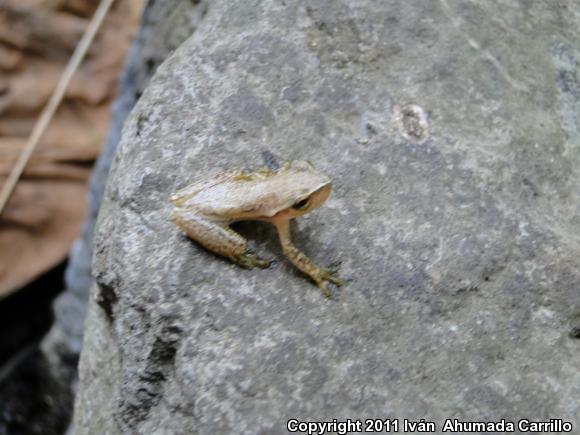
[249,259]
[323,277]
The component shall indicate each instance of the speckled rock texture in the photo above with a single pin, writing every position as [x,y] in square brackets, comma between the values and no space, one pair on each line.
[452,133]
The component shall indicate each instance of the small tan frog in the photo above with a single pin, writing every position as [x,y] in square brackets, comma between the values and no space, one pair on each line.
[204,211]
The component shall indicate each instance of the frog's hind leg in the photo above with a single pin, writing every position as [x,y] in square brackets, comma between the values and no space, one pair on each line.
[319,275]
[219,238]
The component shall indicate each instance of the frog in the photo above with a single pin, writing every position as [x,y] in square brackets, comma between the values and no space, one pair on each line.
[205,210]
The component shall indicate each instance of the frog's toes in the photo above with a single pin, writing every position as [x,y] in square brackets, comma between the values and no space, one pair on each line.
[325,290]
[263,263]
[250,259]
[330,275]
[324,277]
[333,267]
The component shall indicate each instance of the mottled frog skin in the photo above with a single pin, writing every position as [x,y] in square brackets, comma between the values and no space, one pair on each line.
[206,209]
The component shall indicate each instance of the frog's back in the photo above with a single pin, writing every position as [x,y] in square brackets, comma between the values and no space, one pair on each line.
[183,196]
[236,195]
[230,195]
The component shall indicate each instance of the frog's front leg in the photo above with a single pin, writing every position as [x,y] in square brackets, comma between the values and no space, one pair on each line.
[217,237]
[320,276]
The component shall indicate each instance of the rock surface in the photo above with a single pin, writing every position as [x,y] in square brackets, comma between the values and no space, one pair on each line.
[451,131]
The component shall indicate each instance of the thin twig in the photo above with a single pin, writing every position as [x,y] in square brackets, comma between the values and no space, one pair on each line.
[55,99]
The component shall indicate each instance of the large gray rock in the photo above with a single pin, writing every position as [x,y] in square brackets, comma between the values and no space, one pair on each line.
[452,133]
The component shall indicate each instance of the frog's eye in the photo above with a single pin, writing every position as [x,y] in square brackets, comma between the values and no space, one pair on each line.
[301,205]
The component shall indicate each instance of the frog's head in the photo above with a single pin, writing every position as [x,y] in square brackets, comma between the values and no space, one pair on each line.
[310,189]
[305,204]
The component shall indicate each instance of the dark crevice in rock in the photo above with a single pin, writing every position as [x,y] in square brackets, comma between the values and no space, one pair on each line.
[575,326]
[107,299]
[144,393]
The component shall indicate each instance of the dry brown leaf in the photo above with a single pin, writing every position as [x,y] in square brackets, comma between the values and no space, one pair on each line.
[38,228]
[37,29]
[44,215]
